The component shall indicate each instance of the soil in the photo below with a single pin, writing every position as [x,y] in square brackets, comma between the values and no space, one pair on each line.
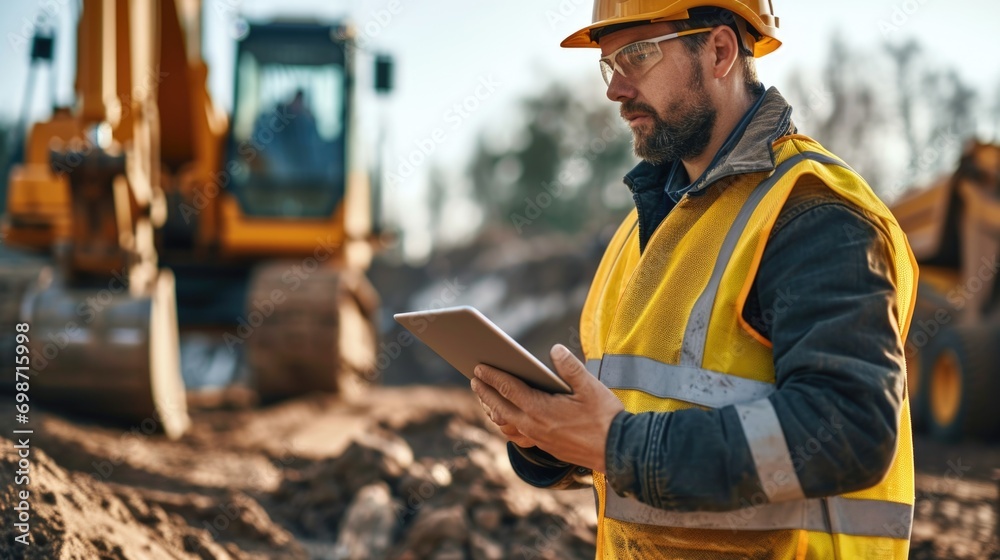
[957,500]
[398,472]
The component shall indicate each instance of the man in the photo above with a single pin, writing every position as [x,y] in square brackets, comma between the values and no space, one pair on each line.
[743,334]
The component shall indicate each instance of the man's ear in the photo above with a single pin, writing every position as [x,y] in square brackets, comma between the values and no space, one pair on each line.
[725,48]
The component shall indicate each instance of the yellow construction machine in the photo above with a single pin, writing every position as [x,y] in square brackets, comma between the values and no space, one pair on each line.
[143,215]
[953,348]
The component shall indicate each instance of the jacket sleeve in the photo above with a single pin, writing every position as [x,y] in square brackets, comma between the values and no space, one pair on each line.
[826,288]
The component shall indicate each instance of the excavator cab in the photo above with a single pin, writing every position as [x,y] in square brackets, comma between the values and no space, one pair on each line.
[287,146]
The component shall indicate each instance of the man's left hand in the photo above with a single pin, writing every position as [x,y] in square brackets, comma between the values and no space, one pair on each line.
[573,428]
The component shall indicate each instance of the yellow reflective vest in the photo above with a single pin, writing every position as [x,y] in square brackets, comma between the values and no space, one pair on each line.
[689,286]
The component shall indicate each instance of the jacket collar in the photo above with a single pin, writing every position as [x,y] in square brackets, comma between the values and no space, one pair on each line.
[747,150]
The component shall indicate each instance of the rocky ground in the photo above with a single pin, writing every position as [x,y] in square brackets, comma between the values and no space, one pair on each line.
[957,501]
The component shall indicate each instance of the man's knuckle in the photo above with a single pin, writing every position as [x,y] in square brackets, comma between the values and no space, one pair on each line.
[504,388]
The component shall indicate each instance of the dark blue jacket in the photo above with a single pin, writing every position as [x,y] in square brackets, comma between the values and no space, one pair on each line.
[838,356]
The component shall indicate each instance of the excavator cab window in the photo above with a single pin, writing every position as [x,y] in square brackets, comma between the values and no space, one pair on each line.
[287,146]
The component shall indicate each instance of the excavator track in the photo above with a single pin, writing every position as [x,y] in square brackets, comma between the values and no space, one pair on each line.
[309,331]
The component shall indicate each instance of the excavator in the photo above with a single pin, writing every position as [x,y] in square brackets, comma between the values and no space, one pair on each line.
[143,216]
[953,348]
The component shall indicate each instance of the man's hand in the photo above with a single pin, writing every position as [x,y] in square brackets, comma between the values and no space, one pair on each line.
[573,428]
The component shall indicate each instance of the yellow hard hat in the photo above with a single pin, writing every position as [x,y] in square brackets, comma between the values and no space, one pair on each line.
[758,13]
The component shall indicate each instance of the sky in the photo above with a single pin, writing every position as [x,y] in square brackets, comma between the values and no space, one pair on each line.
[462,66]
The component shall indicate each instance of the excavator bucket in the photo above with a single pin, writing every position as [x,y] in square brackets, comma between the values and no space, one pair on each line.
[107,353]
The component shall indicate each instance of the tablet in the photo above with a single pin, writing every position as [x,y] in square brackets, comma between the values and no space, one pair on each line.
[464,337]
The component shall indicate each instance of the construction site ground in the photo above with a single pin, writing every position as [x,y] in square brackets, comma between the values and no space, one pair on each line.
[397,472]
[409,470]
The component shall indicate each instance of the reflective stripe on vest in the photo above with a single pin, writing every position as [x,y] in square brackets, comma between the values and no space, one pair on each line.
[830,515]
[713,389]
[686,383]
[696,332]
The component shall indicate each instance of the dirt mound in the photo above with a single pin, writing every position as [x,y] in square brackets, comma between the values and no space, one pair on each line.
[70,515]
[382,498]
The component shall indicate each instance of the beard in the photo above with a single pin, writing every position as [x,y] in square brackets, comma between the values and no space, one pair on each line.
[684,136]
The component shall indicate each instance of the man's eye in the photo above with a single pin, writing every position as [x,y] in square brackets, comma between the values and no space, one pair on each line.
[636,59]
[637,53]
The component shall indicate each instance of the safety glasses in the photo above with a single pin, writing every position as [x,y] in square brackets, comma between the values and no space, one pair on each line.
[635,59]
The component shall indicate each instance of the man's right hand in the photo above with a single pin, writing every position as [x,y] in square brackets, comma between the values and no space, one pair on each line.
[516,437]
[508,429]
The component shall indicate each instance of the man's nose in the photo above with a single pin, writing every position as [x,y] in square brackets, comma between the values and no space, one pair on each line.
[620,88]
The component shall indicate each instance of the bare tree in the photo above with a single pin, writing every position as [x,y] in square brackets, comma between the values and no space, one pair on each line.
[905,56]
[924,112]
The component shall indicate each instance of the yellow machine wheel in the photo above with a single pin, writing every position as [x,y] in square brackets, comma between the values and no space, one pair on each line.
[963,380]
[946,387]
[924,328]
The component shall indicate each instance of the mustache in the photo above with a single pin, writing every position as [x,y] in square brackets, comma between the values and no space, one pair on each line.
[633,107]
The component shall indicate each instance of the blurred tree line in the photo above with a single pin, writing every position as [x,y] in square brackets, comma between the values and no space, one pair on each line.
[893,113]
[560,170]
[557,169]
